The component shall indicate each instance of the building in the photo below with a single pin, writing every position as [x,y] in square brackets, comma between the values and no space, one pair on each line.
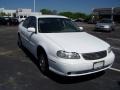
[8,12]
[20,13]
[23,12]
[110,13]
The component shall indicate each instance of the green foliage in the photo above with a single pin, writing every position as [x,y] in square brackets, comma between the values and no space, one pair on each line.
[49,12]
[72,15]
[89,17]
[67,14]
[2,14]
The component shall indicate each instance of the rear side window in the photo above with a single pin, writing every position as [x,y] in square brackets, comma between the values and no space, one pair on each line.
[30,22]
[26,22]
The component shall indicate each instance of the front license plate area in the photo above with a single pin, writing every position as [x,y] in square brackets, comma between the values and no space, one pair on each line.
[98,65]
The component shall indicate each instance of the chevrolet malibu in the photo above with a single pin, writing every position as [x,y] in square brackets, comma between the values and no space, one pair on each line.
[62,47]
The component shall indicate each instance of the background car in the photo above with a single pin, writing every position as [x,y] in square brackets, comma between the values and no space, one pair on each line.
[105,25]
[2,21]
[21,18]
[8,21]
[11,21]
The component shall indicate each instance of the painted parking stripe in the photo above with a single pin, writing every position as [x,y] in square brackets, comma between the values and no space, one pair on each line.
[9,52]
[114,69]
[116,39]
[116,48]
[5,53]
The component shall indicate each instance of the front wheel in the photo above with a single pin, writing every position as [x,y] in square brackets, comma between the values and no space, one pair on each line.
[19,41]
[43,62]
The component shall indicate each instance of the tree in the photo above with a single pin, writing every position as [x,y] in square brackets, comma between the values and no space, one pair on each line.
[80,15]
[2,14]
[67,14]
[74,15]
[47,11]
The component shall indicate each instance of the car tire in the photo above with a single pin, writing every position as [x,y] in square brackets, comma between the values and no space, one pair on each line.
[113,29]
[43,62]
[19,42]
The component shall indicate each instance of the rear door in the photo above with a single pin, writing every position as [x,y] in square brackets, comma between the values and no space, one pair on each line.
[32,35]
[24,32]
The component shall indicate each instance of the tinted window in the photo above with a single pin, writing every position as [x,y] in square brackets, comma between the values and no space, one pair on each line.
[26,22]
[30,22]
[21,16]
[25,16]
[56,25]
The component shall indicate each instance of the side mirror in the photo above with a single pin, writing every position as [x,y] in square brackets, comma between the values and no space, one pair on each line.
[31,29]
[81,28]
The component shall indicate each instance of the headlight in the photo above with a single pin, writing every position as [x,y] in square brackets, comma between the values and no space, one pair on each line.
[68,55]
[109,49]
[106,26]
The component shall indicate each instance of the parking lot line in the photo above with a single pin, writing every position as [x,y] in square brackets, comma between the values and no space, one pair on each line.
[116,39]
[7,52]
[114,69]
[116,48]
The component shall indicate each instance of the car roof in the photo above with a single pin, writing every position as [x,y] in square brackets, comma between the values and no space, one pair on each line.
[49,16]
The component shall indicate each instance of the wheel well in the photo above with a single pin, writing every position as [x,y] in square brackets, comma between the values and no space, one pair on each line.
[18,34]
[40,50]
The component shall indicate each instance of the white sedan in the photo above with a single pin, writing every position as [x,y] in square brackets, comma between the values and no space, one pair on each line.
[62,47]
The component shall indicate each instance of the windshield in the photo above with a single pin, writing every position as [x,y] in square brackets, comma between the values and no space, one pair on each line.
[56,25]
[106,21]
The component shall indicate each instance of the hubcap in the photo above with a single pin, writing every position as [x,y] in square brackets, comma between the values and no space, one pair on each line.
[42,62]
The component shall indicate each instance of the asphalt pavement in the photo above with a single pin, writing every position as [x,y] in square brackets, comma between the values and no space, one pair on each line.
[19,69]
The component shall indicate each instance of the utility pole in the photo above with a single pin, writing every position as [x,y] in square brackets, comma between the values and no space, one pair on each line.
[34,5]
[112,13]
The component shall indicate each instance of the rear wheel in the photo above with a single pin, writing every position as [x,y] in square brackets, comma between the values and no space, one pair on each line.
[43,62]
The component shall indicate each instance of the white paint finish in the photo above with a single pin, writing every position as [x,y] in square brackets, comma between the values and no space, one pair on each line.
[79,42]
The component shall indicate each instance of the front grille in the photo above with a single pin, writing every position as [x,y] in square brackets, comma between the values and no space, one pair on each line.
[102,26]
[95,55]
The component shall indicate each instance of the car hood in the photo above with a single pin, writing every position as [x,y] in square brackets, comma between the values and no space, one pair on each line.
[81,42]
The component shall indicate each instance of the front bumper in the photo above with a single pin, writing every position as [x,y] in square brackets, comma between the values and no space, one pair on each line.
[79,67]
[102,29]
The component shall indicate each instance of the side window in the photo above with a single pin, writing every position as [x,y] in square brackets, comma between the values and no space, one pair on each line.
[26,23]
[32,22]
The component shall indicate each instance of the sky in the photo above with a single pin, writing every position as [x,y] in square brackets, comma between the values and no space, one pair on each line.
[84,6]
